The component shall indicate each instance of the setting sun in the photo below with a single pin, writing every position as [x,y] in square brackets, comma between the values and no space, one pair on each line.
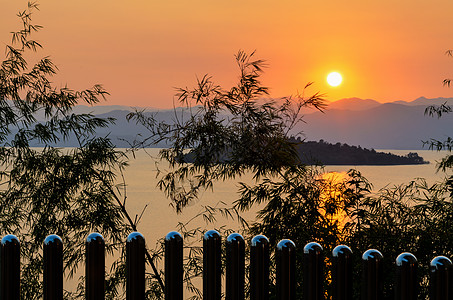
[334,79]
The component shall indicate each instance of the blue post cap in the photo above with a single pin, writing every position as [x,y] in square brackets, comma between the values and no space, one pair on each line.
[372,254]
[52,239]
[235,237]
[286,244]
[341,250]
[259,240]
[173,235]
[10,238]
[135,236]
[440,262]
[312,247]
[211,234]
[95,237]
[406,258]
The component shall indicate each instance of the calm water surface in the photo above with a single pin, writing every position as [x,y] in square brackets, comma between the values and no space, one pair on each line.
[159,218]
[382,176]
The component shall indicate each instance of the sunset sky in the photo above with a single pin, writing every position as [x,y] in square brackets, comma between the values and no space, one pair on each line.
[141,50]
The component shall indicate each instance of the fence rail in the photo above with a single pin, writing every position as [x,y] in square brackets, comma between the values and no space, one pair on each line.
[406,285]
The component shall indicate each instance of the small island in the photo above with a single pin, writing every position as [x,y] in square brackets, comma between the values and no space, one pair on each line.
[324,153]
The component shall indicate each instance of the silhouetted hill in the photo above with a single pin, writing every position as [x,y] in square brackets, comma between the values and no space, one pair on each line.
[353,104]
[368,123]
[122,133]
[324,153]
[387,126]
[426,101]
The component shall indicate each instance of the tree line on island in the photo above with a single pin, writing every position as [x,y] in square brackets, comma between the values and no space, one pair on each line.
[324,153]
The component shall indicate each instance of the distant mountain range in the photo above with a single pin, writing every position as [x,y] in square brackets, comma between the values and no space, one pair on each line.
[357,104]
[361,122]
[370,124]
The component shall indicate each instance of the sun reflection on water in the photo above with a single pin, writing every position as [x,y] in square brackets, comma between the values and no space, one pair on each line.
[333,206]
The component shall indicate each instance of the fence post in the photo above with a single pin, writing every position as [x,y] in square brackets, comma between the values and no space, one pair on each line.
[135,266]
[342,273]
[53,268]
[286,270]
[313,272]
[94,267]
[10,268]
[406,287]
[441,284]
[173,266]
[235,267]
[372,284]
[212,265]
[259,268]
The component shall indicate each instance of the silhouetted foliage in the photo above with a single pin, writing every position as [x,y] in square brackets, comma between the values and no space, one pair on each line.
[447,81]
[239,122]
[48,190]
[234,132]
[230,132]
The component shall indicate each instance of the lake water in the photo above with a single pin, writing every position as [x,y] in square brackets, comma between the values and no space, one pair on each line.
[159,218]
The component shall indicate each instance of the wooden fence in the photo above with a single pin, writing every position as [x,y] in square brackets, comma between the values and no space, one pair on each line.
[406,284]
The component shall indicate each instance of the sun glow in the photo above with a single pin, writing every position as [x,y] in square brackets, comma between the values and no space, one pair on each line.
[332,195]
[334,79]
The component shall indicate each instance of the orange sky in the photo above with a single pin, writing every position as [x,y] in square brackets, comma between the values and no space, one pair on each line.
[140,50]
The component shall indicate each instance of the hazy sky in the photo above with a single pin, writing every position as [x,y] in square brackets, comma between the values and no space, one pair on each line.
[140,50]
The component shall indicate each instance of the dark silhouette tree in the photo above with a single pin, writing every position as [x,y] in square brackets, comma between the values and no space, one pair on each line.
[222,134]
[49,190]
